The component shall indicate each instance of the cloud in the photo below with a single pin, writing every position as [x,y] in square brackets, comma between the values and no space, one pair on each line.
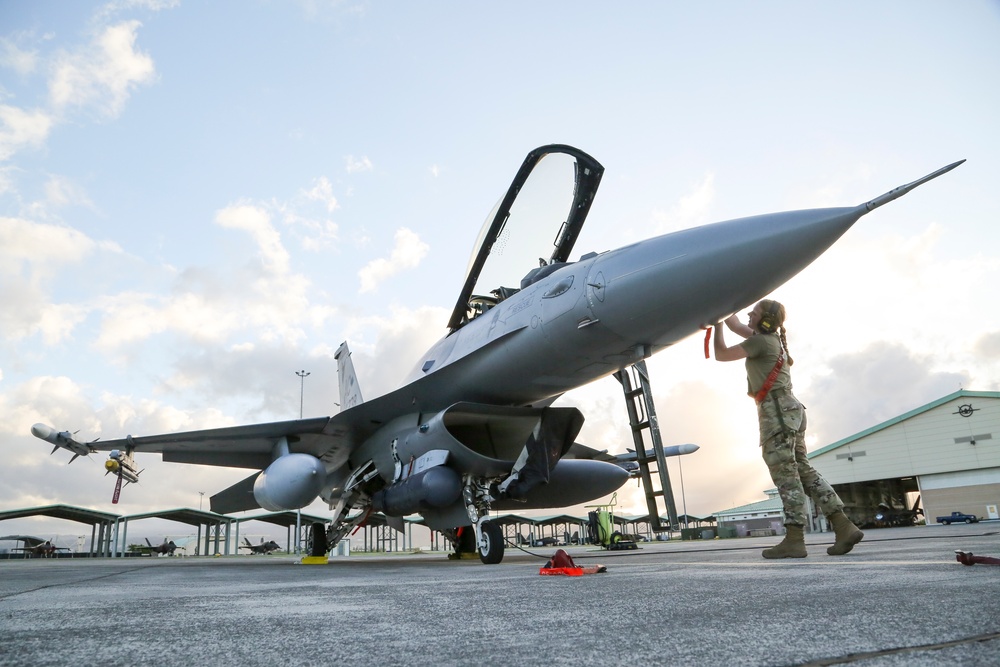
[213,385]
[98,77]
[61,191]
[905,288]
[407,253]
[31,478]
[20,129]
[322,191]
[31,257]
[14,57]
[318,232]
[257,222]
[355,166]
[386,348]
[102,75]
[261,299]
[43,247]
[863,389]
[988,346]
[691,210]
[54,400]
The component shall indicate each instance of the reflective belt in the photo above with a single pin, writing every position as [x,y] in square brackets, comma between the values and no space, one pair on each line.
[772,376]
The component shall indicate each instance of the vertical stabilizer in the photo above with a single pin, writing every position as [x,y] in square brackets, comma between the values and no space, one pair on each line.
[350,392]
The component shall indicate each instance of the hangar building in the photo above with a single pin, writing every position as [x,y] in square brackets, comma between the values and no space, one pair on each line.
[943,457]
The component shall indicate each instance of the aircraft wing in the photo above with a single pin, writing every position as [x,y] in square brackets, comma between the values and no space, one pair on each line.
[29,540]
[247,446]
[330,439]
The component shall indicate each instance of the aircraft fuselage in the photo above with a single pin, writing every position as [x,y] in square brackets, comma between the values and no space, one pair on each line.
[593,317]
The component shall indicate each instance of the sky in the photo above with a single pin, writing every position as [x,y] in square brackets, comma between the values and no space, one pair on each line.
[198,200]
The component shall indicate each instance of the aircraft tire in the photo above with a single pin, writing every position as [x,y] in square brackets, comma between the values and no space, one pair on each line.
[491,544]
[317,545]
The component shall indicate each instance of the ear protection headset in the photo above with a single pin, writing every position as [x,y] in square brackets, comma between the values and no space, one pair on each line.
[768,320]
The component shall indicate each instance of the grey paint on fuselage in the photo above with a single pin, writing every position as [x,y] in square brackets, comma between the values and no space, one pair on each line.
[623,306]
[593,317]
[484,388]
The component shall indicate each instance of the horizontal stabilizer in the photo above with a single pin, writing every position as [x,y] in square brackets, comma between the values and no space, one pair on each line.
[237,498]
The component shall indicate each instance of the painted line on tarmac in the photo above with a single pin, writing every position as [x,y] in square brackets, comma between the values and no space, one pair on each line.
[119,573]
[856,657]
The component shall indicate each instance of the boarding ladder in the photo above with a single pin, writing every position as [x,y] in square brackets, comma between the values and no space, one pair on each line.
[642,417]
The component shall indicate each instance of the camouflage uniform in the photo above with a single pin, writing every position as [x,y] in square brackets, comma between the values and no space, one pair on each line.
[783,445]
[782,434]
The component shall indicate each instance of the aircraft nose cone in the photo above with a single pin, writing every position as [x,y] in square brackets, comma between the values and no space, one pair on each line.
[659,291]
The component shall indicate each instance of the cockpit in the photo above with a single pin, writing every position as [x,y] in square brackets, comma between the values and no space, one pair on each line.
[532,229]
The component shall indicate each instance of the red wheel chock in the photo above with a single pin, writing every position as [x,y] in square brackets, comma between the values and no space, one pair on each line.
[966,558]
[562,563]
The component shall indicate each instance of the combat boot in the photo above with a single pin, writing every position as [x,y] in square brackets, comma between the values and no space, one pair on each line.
[793,546]
[846,534]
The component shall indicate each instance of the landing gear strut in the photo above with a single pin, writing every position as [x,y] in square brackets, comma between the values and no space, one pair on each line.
[483,536]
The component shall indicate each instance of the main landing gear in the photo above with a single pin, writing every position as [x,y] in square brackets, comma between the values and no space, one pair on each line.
[490,543]
[483,536]
[486,540]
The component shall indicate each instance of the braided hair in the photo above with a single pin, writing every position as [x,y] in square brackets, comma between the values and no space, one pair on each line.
[784,344]
[778,310]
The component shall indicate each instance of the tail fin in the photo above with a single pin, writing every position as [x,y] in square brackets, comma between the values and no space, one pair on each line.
[350,392]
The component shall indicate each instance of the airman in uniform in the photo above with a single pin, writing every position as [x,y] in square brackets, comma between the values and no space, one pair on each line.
[782,420]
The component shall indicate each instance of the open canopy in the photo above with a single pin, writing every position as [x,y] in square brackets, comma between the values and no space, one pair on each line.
[534,226]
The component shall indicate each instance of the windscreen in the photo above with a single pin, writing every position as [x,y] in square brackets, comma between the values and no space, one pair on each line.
[536,222]
[532,228]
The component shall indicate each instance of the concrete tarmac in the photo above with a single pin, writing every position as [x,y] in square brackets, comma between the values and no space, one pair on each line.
[900,598]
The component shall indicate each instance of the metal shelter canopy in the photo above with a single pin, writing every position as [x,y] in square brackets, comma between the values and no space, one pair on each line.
[192,517]
[379,534]
[285,519]
[100,522]
[566,522]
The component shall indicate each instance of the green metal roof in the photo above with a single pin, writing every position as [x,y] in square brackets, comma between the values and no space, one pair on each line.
[962,393]
[769,505]
[78,514]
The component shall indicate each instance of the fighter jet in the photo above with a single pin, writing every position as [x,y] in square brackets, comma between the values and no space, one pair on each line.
[166,548]
[35,546]
[262,548]
[473,428]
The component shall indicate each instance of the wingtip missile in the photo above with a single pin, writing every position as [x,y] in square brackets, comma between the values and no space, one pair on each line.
[674,450]
[60,439]
[903,189]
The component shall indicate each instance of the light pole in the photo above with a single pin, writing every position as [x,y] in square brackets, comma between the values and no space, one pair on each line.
[302,388]
[680,469]
[298,513]
[202,494]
